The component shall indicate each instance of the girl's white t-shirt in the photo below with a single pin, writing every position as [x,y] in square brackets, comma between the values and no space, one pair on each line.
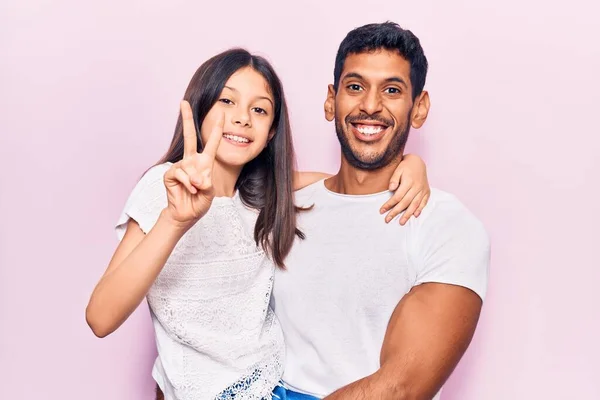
[215,332]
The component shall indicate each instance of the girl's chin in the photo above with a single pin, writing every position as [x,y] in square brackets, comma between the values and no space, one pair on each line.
[235,160]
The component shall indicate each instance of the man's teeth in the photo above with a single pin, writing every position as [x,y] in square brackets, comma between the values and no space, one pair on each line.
[369,129]
[236,138]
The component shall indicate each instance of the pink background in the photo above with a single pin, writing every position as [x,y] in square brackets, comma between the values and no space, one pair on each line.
[89,94]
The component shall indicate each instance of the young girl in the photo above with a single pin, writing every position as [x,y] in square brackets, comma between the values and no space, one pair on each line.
[203,230]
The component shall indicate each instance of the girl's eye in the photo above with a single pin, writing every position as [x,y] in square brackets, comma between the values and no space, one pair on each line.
[354,87]
[259,110]
[226,101]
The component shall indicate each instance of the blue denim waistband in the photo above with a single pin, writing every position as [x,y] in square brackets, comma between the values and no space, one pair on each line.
[281,393]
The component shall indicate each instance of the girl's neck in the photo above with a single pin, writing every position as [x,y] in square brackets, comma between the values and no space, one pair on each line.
[224,179]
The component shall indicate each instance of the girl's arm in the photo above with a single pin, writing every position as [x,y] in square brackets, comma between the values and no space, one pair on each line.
[409,182]
[303,179]
[138,260]
[411,187]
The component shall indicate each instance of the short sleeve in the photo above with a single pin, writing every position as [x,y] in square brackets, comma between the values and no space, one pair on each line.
[453,247]
[146,201]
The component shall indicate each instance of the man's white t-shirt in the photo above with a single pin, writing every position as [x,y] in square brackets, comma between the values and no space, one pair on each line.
[344,280]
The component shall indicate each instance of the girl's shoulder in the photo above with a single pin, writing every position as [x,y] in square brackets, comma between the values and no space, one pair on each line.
[146,201]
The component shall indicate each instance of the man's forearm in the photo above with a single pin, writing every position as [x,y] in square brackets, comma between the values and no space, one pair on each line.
[428,333]
[378,386]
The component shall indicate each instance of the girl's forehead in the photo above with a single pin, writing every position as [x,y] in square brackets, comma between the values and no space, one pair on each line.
[248,81]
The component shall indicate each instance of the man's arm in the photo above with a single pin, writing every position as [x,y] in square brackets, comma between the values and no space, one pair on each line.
[428,333]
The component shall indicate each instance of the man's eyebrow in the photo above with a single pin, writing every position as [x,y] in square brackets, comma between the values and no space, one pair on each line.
[397,80]
[390,79]
[352,75]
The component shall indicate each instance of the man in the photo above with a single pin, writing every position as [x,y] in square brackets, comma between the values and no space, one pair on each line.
[372,310]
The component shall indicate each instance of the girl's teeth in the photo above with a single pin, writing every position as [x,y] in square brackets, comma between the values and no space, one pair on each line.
[236,138]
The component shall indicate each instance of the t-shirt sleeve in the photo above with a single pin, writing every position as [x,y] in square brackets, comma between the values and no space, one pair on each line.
[453,248]
[146,201]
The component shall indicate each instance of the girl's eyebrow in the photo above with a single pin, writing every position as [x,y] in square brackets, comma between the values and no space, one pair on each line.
[258,97]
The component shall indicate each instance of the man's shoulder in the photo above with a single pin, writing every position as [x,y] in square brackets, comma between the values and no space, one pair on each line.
[442,201]
[445,209]
[451,245]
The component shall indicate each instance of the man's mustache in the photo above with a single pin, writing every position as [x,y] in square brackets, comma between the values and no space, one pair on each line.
[366,117]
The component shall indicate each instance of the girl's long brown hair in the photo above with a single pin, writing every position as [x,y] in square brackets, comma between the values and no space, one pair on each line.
[265,183]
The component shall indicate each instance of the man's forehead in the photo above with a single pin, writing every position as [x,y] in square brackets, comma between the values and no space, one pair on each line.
[377,65]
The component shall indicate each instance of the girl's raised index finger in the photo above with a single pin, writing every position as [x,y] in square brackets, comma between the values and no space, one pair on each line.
[212,144]
[190,138]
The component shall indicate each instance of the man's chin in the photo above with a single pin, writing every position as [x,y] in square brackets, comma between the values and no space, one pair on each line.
[365,161]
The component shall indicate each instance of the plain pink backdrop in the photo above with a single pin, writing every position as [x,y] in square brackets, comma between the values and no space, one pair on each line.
[89,96]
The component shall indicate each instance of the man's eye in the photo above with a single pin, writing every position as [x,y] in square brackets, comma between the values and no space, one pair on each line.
[354,87]
[393,90]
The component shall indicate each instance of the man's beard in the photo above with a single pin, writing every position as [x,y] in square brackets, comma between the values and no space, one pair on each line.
[373,161]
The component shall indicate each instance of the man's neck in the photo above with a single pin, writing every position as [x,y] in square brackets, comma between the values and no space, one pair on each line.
[354,181]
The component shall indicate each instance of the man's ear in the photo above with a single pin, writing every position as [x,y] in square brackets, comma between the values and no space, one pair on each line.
[330,104]
[420,110]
